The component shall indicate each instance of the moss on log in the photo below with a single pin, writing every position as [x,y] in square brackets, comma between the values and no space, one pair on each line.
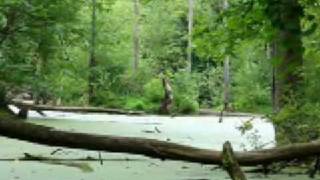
[230,163]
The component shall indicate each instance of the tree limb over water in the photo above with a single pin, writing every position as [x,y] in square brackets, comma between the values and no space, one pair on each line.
[75,109]
[148,147]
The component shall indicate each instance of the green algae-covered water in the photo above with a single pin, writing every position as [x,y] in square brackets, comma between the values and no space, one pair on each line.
[203,132]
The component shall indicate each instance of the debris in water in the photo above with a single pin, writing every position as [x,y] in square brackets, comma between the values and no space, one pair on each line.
[148,131]
[157,130]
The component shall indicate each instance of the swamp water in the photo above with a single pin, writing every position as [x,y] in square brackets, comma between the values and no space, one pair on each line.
[203,132]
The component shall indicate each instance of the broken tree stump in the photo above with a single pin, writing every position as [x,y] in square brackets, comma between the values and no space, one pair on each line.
[168,97]
[316,168]
[230,163]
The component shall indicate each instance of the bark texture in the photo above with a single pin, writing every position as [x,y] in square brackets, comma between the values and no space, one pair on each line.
[168,97]
[231,164]
[271,52]
[285,16]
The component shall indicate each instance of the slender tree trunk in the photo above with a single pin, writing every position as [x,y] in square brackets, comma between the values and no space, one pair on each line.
[271,52]
[285,16]
[41,95]
[226,89]
[3,102]
[190,29]
[92,58]
[136,35]
[226,84]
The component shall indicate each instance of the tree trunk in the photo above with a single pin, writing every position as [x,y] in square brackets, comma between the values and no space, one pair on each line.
[271,49]
[168,97]
[11,128]
[3,100]
[136,35]
[285,17]
[41,94]
[23,113]
[190,29]
[226,85]
[92,58]
[231,164]
[226,75]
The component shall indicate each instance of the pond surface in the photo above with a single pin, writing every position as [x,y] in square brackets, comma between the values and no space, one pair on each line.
[203,132]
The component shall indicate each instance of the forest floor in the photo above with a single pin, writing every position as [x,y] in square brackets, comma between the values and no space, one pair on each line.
[204,132]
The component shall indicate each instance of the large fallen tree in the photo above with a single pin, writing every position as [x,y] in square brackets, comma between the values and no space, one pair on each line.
[12,128]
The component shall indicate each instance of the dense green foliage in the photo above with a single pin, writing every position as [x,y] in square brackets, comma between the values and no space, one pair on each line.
[45,50]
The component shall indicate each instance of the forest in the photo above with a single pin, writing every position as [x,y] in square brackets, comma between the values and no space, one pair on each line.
[87,74]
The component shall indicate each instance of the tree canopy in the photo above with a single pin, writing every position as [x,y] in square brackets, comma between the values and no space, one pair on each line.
[58,50]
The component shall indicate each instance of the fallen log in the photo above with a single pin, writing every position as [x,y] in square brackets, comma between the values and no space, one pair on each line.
[231,164]
[148,147]
[40,108]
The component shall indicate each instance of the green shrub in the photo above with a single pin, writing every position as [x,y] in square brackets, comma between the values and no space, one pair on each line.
[133,103]
[109,99]
[132,84]
[252,98]
[141,104]
[153,91]
[251,77]
[185,93]
[210,87]
[298,124]
[184,104]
